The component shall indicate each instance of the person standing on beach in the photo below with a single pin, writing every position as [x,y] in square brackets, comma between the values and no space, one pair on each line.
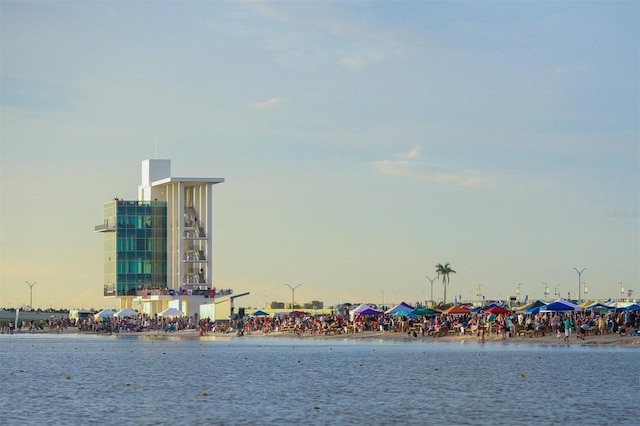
[481,327]
[567,328]
[510,326]
[583,330]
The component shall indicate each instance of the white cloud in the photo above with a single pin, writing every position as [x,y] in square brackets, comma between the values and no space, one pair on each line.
[468,178]
[357,62]
[410,166]
[268,104]
[414,153]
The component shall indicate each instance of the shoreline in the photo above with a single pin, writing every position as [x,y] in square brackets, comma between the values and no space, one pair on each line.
[607,339]
[547,339]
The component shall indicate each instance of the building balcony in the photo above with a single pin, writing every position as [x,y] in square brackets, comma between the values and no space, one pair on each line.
[105,227]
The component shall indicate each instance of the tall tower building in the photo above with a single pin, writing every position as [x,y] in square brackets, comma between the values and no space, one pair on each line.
[159,248]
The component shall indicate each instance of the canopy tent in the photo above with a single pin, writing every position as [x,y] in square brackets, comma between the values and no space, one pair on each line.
[365,309]
[298,313]
[560,305]
[126,313]
[497,310]
[476,309]
[259,313]
[402,306]
[421,310]
[529,306]
[588,302]
[404,314]
[457,310]
[104,314]
[632,308]
[598,306]
[170,312]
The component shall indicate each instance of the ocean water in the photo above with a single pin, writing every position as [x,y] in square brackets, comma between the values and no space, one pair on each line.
[87,379]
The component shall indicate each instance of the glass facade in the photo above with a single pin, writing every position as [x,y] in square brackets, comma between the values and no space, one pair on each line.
[135,254]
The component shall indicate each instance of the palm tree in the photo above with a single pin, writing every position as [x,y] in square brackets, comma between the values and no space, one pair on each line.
[444,271]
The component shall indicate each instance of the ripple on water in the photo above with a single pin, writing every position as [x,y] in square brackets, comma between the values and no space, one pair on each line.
[276,381]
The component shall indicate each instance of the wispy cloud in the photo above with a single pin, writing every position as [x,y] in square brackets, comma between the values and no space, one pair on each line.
[353,34]
[268,104]
[358,61]
[414,153]
[409,165]
[469,178]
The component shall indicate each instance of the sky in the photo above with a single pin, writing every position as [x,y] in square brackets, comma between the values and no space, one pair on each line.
[361,143]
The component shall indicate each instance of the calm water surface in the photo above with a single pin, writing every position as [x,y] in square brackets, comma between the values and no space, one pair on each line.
[85,379]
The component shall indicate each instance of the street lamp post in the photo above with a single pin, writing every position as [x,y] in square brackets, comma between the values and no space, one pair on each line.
[293,295]
[431,281]
[518,291]
[555,290]
[579,281]
[621,291]
[479,293]
[546,290]
[31,291]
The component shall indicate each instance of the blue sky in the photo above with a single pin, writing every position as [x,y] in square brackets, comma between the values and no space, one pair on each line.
[361,142]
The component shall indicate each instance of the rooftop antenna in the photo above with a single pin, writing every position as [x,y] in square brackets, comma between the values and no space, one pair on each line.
[156,144]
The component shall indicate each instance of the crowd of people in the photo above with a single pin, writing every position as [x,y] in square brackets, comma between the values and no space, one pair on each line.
[206,292]
[481,324]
